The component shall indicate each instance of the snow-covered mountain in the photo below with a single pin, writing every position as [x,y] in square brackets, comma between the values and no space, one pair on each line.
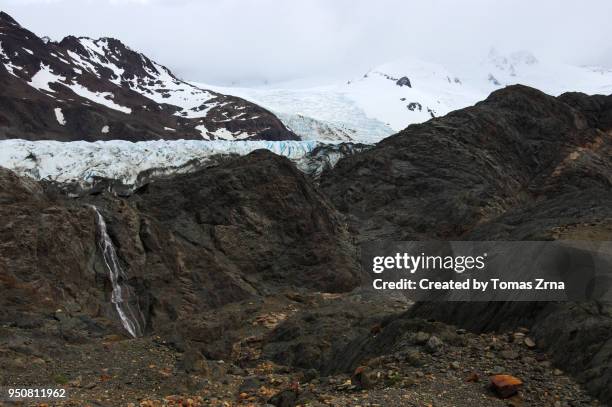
[388,98]
[85,89]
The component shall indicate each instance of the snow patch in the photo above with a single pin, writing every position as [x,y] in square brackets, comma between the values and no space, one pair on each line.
[43,78]
[203,131]
[59,115]
[101,98]
[223,134]
[86,65]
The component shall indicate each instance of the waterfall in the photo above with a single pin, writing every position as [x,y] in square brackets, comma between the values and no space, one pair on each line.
[122,296]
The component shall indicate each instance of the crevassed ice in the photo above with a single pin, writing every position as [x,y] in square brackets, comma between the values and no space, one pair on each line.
[81,161]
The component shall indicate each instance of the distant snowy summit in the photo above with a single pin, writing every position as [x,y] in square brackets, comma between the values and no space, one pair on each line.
[388,98]
[85,89]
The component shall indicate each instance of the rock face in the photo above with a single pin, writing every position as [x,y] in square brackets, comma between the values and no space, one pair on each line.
[85,89]
[262,214]
[47,251]
[240,231]
[520,165]
[248,228]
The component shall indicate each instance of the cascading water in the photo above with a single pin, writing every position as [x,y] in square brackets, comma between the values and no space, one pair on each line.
[122,296]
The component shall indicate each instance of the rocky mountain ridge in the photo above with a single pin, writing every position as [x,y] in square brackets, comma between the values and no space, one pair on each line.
[86,89]
[520,165]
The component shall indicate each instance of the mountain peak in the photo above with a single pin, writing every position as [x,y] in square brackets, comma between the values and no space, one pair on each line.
[524,57]
[108,40]
[5,18]
[101,89]
[520,57]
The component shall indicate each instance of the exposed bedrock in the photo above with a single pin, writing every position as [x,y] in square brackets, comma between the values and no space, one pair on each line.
[520,165]
[246,229]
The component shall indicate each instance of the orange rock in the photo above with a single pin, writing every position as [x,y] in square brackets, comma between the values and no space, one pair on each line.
[505,385]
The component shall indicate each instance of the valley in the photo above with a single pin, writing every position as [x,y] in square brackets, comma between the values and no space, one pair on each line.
[169,243]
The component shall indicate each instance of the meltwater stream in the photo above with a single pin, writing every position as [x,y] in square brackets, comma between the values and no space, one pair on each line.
[122,297]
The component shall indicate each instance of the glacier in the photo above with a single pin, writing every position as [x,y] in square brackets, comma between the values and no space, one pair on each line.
[373,106]
[82,162]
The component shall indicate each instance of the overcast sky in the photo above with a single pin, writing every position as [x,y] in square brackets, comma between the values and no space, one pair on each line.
[220,41]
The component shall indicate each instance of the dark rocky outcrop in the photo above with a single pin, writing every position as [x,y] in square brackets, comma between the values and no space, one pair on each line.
[403,81]
[520,165]
[413,106]
[47,251]
[246,229]
[263,218]
[475,169]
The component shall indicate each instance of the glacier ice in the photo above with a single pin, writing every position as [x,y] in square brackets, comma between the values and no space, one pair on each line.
[82,162]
